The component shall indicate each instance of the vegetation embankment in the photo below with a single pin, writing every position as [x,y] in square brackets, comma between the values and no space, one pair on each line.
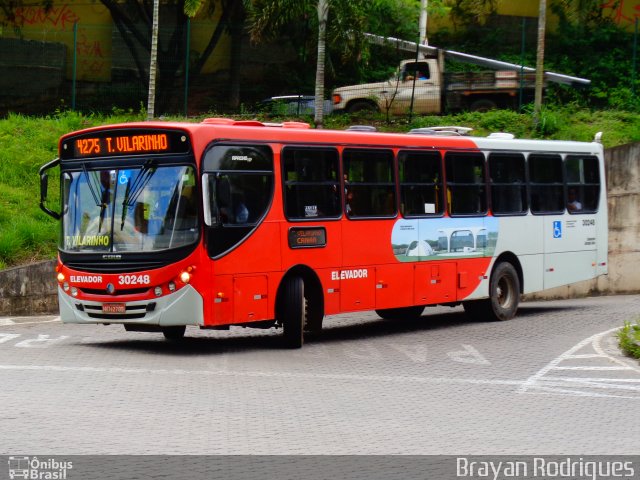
[27,143]
[629,339]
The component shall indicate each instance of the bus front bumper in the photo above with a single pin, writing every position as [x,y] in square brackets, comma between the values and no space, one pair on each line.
[184,307]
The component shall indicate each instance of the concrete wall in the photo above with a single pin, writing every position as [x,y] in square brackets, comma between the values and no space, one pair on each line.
[31,289]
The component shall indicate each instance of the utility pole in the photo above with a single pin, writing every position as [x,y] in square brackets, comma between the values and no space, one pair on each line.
[537,103]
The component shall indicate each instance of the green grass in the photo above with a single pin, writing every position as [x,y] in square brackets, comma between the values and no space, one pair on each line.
[26,143]
[629,339]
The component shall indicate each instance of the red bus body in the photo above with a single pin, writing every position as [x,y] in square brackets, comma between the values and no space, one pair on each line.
[346,264]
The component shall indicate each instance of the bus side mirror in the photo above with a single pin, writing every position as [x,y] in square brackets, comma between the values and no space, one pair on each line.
[44,186]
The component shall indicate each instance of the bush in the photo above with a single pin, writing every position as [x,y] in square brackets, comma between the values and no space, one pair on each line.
[629,339]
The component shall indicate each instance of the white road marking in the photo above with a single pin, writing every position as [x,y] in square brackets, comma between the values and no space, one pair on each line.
[229,373]
[11,321]
[544,381]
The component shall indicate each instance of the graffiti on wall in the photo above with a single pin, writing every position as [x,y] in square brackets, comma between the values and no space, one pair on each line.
[56,24]
[623,12]
[60,18]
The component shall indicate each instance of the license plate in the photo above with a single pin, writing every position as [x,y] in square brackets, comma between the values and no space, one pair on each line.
[114,308]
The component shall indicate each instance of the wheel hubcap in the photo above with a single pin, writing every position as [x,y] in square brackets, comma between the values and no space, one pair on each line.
[503,292]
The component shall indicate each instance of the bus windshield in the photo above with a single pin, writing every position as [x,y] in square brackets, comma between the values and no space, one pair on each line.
[139,209]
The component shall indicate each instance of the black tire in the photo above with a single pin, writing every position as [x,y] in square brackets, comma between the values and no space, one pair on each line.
[314,314]
[174,334]
[360,106]
[294,312]
[483,105]
[504,296]
[406,313]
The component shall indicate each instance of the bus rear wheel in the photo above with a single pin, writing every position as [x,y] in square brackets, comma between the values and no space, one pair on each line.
[294,312]
[504,296]
[406,313]
[174,334]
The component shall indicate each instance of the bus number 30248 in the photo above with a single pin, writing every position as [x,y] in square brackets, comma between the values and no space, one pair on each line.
[134,279]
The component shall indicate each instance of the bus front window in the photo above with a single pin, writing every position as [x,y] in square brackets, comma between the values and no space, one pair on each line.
[140,209]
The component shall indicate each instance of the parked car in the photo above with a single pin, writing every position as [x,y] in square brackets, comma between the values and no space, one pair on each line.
[293,105]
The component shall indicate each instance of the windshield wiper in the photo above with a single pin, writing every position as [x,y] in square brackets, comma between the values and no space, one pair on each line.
[134,190]
[100,202]
[91,188]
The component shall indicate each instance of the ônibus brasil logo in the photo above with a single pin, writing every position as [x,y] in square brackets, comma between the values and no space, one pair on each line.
[38,469]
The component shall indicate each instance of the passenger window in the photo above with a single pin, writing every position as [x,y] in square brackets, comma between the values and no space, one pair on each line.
[508,184]
[311,183]
[583,184]
[420,183]
[466,190]
[546,184]
[369,183]
[239,184]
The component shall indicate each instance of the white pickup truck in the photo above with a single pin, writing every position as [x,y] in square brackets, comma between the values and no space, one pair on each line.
[434,92]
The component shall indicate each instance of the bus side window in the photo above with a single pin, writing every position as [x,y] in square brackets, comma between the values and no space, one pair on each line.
[466,190]
[369,183]
[311,186]
[508,183]
[546,184]
[420,183]
[583,184]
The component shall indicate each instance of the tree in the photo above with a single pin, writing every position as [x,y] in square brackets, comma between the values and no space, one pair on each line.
[340,25]
[153,67]
[323,14]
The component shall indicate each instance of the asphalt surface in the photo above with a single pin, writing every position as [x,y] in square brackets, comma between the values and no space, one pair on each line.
[551,381]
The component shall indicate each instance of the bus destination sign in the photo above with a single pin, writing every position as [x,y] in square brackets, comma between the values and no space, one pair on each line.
[307,237]
[124,142]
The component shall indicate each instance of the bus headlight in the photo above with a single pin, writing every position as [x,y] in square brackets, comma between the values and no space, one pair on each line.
[172,286]
[74,292]
[65,286]
[157,291]
[60,277]
[185,277]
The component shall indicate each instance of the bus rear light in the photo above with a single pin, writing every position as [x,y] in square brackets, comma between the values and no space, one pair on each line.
[172,286]
[157,291]
[336,99]
[603,264]
[60,277]
[220,297]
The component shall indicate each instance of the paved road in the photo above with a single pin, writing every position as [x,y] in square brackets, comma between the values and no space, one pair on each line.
[550,381]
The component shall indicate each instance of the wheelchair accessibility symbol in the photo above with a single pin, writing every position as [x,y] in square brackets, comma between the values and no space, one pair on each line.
[557,229]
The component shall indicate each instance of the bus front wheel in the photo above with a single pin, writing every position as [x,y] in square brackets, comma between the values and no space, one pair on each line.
[294,312]
[504,296]
[174,334]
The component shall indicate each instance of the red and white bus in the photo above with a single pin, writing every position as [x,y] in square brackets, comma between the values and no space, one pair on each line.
[223,222]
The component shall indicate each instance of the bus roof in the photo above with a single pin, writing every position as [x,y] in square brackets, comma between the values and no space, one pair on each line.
[298,132]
